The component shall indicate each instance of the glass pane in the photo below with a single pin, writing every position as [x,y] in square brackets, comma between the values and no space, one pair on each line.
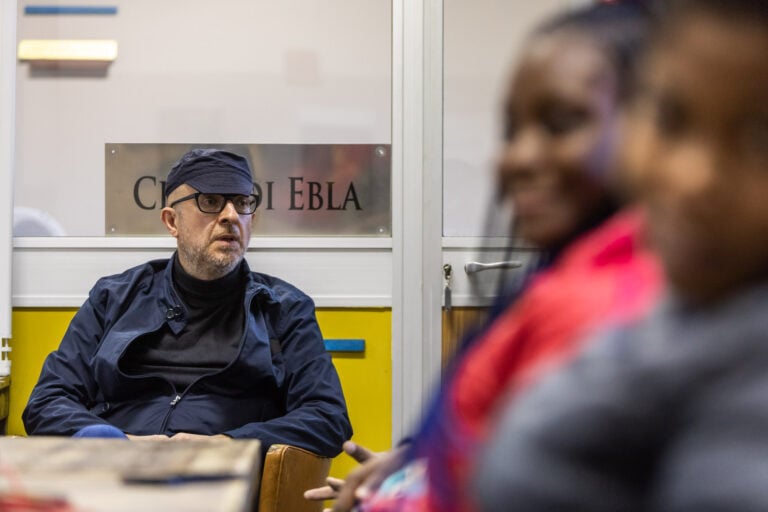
[482,39]
[193,72]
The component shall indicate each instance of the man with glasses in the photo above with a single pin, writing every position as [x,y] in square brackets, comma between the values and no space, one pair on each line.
[196,345]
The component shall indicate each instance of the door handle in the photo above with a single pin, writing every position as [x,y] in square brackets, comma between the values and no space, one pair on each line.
[473,267]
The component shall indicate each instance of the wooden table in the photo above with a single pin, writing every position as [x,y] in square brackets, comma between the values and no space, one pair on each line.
[115,475]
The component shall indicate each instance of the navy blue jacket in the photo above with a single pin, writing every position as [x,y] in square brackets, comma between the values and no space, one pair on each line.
[281,388]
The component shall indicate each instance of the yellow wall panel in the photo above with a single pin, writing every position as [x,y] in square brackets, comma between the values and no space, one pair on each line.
[366,377]
[36,332]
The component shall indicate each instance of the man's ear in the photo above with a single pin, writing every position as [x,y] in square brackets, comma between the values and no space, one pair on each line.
[169,217]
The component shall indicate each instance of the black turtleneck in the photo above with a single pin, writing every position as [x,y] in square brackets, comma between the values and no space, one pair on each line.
[208,342]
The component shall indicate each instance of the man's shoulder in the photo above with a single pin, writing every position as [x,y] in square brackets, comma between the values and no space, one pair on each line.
[279,290]
[139,273]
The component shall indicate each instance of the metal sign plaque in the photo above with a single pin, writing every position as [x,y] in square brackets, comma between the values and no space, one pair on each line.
[304,189]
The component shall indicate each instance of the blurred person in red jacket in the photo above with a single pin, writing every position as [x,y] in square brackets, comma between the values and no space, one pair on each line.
[670,414]
[562,120]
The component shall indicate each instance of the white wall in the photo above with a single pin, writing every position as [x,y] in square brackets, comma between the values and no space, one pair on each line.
[7,106]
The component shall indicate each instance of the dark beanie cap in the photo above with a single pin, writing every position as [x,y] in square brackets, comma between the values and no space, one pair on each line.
[211,171]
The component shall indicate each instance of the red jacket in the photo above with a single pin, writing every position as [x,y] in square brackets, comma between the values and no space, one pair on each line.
[606,277]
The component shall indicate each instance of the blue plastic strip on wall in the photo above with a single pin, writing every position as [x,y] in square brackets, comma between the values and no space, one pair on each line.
[345,345]
[69,9]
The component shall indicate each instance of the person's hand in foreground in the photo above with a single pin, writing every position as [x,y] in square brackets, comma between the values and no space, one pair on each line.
[333,486]
[360,482]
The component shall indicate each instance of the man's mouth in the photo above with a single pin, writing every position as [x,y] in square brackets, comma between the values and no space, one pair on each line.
[228,238]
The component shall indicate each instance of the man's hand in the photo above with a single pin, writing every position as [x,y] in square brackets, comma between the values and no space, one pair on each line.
[153,437]
[181,436]
[186,436]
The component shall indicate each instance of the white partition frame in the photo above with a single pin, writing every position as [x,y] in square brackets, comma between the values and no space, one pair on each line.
[335,272]
[7,142]
[417,207]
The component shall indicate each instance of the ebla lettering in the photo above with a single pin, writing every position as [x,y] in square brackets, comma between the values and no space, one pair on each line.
[320,196]
[149,194]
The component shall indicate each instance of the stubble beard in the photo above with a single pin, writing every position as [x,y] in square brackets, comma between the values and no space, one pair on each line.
[207,264]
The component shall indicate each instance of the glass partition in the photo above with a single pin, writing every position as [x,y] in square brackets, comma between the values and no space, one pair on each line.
[482,40]
[188,72]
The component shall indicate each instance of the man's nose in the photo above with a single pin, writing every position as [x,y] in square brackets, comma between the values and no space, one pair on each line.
[229,213]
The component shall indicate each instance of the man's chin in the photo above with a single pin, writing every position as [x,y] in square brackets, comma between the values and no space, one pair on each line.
[226,260]
[228,251]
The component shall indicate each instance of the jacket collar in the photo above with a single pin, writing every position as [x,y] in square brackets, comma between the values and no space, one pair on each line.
[174,310]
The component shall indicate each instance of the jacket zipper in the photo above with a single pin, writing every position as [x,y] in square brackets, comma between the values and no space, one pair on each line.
[177,398]
[172,403]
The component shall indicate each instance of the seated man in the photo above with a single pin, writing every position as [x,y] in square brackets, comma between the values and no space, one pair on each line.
[196,345]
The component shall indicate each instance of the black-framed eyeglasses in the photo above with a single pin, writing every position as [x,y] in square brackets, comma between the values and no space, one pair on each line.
[215,203]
